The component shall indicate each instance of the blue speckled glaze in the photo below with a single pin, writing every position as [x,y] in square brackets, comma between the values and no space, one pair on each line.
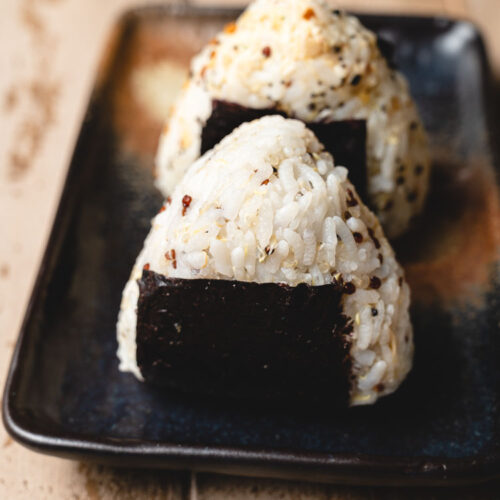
[69,380]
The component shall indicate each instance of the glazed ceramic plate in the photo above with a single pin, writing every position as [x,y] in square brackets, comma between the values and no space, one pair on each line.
[65,395]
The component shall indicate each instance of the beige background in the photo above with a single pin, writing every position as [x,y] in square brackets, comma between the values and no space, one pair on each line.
[49,51]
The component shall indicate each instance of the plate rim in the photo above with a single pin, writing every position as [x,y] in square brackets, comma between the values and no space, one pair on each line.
[335,467]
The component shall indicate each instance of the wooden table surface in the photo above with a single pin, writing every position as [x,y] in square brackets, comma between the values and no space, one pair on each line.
[49,51]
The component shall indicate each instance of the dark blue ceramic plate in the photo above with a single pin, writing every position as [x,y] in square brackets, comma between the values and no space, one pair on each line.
[65,395]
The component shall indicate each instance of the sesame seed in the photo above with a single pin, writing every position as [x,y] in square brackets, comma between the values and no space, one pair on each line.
[186,201]
[412,196]
[358,237]
[308,14]
[266,51]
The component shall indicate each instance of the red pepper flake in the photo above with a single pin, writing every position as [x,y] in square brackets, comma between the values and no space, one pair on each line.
[230,28]
[358,237]
[349,288]
[170,255]
[146,266]
[351,200]
[265,182]
[186,201]
[266,51]
[162,209]
[308,14]
[169,200]
[212,54]
[375,282]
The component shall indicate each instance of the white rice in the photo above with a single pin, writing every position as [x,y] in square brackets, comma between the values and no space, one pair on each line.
[314,58]
[268,205]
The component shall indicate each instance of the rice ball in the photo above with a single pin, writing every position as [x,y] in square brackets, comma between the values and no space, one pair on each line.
[267,207]
[303,60]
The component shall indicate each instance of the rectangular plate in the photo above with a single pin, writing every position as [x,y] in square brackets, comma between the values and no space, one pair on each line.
[65,395]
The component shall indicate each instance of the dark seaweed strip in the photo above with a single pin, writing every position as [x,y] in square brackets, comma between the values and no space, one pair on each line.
[345,140]
[267,342]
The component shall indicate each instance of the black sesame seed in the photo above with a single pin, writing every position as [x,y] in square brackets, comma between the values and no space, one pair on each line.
[400,281]
[389,204]
[401,168]
[356,79]
[375,282]
[312,106]
[349,288]
[351,201]
[412,195]
[374,311]
[337,49]
[413,125]
[347,215]
[400,180]
[358,237]
[419,169]
[336,12]
[381,258]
